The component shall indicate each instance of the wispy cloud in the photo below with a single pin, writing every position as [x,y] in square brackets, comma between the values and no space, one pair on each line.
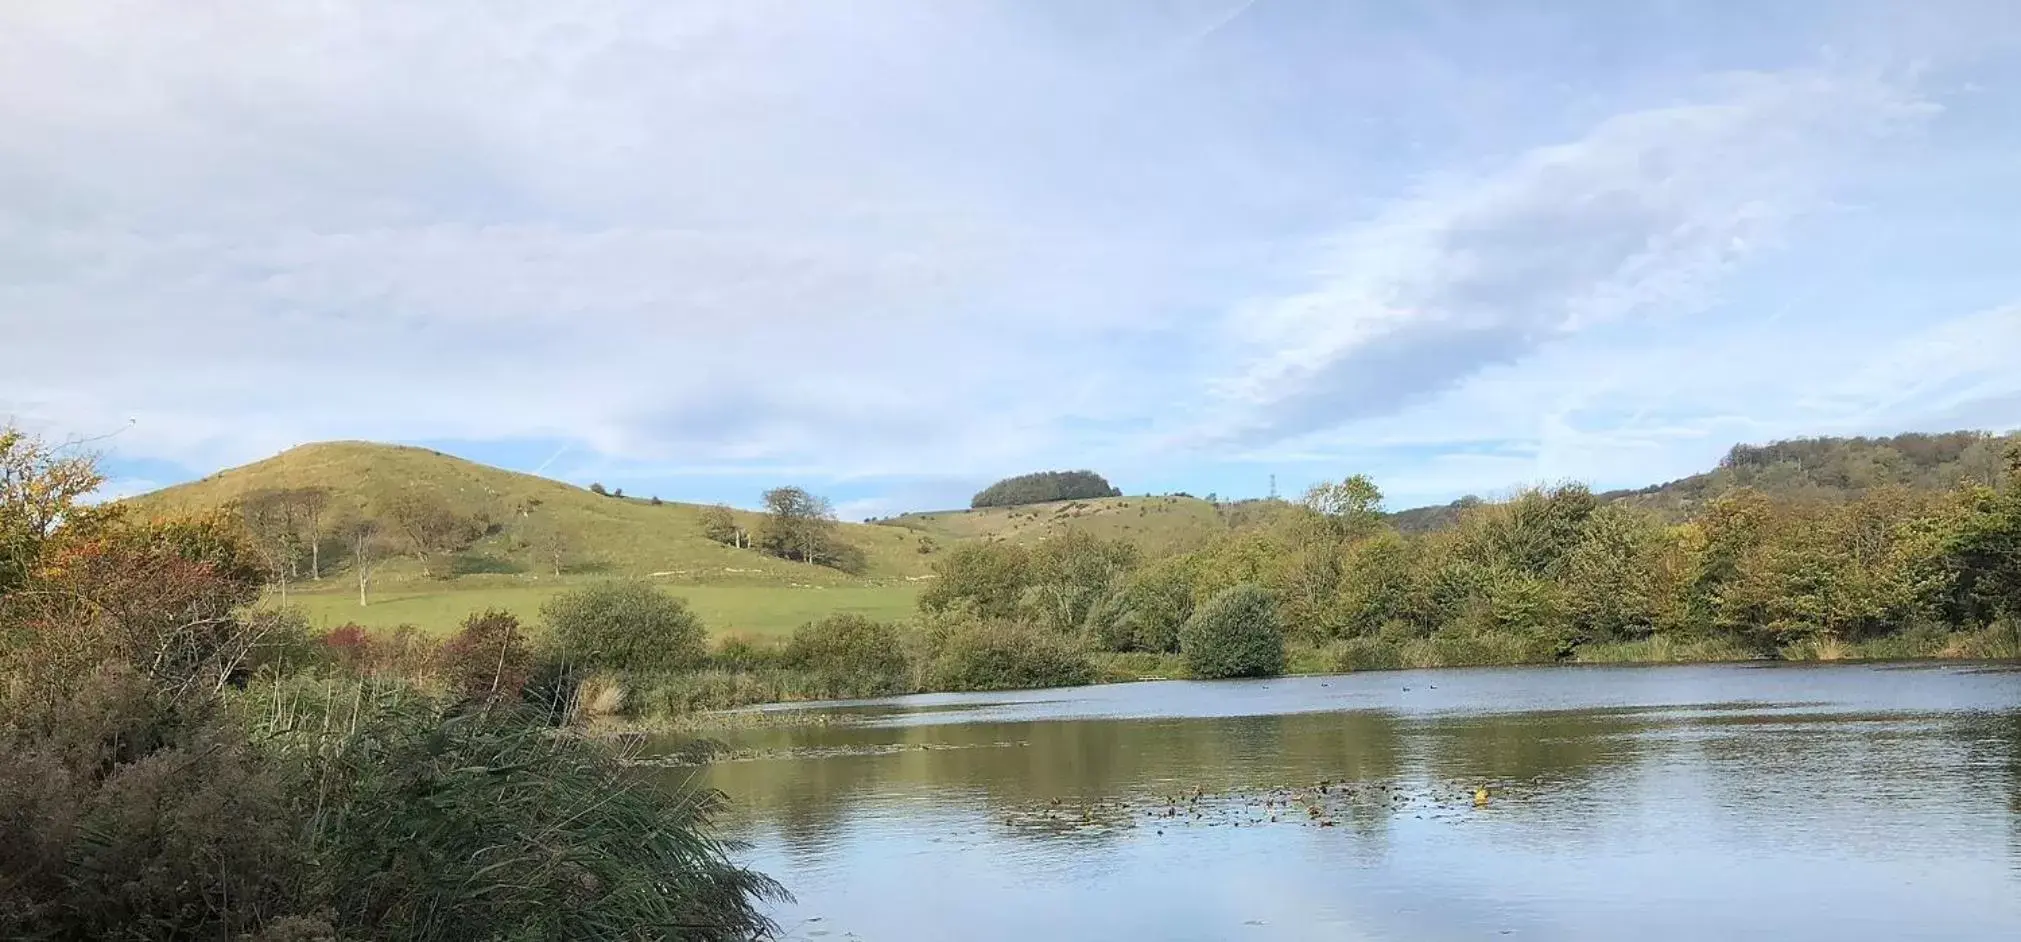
[1639,217]
[906,248]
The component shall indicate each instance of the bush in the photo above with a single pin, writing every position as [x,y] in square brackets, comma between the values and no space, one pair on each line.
[849,656]
[127,812]
[1363,654]
[996,654]
[625,625]
[672,696]
[488,658]
[350,648]
[741,652]
[1236,634]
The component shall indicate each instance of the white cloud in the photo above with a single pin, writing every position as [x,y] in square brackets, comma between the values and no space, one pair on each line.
[921,244]
[1636,218]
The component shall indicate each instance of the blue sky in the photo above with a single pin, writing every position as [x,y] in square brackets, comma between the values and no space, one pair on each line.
[894,250]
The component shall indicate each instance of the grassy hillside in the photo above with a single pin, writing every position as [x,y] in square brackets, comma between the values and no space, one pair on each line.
[1157,525]
[604,534]
[1826,469]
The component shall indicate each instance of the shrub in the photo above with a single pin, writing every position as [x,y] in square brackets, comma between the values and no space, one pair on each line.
[1363,654]
[1236,634]
[625,625]
[130,812]
[849,656]
[741,652]
[350,648]
[281,644]
[997,654]
[488,658]
[406,651]
[672,696]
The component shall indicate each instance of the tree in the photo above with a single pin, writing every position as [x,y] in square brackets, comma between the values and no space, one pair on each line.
[312,505]
[1352,508]
[1044,486]
[271,517]
[429,526]
[367,540]
[1236,634]
[801,526]
[549,541]
[720,524]
[39,489]
[625,625]
[598,490]
[1982,551]
[991,577]
[164,597]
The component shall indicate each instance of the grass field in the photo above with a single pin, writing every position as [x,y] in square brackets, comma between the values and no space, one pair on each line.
[758,610]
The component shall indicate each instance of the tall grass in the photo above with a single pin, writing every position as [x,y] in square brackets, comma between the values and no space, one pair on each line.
[433,824]
[1662,649]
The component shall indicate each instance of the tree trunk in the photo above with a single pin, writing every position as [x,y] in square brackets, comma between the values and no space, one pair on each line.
[316,559]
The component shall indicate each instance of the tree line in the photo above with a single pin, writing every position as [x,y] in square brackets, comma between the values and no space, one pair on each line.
[1551,574]
[1042,487]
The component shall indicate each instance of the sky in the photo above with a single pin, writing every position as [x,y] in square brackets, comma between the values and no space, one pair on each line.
[892,251]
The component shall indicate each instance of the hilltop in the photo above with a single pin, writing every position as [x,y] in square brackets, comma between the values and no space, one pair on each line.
[605,535]
[1157,525]
[1821,468]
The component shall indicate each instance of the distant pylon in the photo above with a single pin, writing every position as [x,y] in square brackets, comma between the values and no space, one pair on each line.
[1273,487]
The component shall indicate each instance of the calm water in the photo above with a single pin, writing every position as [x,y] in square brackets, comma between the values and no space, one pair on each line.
[1827,803]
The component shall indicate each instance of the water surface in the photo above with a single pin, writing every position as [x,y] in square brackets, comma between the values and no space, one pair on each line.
[1723,802]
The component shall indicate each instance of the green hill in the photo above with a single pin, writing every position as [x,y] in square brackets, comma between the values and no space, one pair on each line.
[602,536]
[1822,468]
[1157,525]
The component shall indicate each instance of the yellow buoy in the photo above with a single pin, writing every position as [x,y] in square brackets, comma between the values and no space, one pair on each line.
[1480,796]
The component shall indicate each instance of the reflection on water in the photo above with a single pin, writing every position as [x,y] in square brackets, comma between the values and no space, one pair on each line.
[1659,803]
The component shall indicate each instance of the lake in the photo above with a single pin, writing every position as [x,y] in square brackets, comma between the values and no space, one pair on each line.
[1702,802]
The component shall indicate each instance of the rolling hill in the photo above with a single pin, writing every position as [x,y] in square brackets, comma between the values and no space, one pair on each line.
[735,590]
[605,534]
[1824,468]
[1157,525]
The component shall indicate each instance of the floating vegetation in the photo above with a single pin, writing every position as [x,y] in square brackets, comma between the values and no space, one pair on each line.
[1322,804]
[690,757]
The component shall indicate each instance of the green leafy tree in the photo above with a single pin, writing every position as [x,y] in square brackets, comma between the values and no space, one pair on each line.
[1043,487]
[991,577]
[720,525]
[801,526]
[625,625]
[1235,634]
[1350,508]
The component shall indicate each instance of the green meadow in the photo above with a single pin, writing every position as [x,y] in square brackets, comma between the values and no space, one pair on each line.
[727,610]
